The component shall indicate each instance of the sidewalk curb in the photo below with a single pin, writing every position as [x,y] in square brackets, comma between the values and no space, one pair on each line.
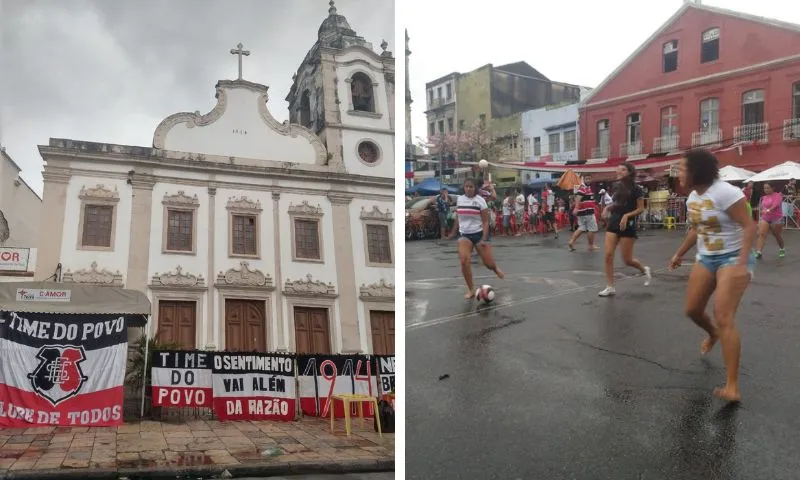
[247,470]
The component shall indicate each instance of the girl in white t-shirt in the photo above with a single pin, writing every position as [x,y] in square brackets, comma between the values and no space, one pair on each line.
[472,224]
[723,232]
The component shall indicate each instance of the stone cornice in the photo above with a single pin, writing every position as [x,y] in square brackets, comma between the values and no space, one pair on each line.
[93,276]
[137,158]
[244,277]
[340,198]
[142,181]
[309,287]
[243,204]
[251,187]
[377,292]
[177,280]
[56,174]
[375,214]
[180,199]
[305,209]
[99,192]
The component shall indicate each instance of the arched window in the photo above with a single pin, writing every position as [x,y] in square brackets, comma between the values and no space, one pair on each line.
[362,94]
[305,109]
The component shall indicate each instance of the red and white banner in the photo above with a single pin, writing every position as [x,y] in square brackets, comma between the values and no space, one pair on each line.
[323,376]
[254,386]
[61,370]
[182,379]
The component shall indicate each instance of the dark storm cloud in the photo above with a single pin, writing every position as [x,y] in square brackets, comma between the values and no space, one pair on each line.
[111,70]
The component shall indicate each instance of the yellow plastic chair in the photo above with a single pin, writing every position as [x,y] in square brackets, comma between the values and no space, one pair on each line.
[359,398]
[669,223]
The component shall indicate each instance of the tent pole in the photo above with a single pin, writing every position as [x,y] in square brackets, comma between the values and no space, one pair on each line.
[144,365]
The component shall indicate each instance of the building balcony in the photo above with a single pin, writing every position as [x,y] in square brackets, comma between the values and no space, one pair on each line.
[630,149]
[754,132]
[439,102]
[791,129]
[670,143]
[707,139]
[601,152]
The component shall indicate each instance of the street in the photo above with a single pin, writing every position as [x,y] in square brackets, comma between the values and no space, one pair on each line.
[345,476]
[553,382]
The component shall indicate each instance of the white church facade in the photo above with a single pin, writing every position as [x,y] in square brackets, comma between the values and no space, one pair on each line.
[246,233]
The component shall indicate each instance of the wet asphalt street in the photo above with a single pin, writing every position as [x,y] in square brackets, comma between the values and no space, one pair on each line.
[554,382]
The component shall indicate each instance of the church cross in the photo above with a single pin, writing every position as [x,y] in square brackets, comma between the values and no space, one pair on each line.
[239,51]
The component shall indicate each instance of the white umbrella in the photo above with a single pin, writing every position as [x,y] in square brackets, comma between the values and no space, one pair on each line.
[784,171]
[734,174]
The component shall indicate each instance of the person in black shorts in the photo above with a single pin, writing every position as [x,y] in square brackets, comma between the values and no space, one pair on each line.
[627,205]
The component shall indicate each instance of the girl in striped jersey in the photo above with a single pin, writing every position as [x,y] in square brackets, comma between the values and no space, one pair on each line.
[472,224]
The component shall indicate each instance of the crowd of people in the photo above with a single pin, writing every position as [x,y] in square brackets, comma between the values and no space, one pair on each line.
[721,227]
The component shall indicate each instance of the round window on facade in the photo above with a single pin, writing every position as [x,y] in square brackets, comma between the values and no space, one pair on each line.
[368,152]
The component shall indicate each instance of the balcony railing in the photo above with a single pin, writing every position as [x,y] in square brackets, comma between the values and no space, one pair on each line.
[707,139]
[754,132]
[791,129]
[629,149]
[439,102]
[666,144]
[601,152]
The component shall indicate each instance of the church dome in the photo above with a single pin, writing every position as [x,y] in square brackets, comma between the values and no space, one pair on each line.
[335,24]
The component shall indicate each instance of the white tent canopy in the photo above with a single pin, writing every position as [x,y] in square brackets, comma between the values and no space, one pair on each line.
[734,174]
[784,171]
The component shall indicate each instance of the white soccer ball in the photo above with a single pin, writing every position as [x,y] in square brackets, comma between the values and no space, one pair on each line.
[483,163]
[485,293]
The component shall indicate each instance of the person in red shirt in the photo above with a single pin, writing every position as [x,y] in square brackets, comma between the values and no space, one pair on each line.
[584,210]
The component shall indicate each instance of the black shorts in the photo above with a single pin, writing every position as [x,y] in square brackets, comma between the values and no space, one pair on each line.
[475,238]
[613,227]
[549,217]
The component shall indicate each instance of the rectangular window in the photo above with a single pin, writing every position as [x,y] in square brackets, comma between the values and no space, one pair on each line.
[554,143]
[709,114]
[97,225]
[431,129]
[450,125]
[796,100]
[244,237]
[439,91]
[634,126]
[669,122]
[461,124]
[449,89]
[570,141]
[603,140]
[526,148]
[709,51]
[379,247]
[670,60]
[180,227]
[537,146]
[441,127]
[430,97]
[306,238]
[753,107]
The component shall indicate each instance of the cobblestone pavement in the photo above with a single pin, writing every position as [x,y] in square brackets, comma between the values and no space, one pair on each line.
[156,445]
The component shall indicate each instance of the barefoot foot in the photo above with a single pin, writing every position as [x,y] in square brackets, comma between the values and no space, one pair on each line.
[729,394]
[708,344]
[499,273]
[470,294]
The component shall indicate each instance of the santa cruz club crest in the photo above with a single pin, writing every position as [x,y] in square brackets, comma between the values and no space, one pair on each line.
[59,375]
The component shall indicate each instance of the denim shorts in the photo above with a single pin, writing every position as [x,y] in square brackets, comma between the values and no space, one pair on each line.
[713,263]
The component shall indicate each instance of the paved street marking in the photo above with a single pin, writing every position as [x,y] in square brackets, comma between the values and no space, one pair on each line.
[442,320]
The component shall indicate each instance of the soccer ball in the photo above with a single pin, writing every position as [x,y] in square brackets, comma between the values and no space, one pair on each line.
[485,293]
[483,163]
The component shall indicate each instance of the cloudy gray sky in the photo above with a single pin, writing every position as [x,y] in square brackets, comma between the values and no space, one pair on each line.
[574,41]
[111,70]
